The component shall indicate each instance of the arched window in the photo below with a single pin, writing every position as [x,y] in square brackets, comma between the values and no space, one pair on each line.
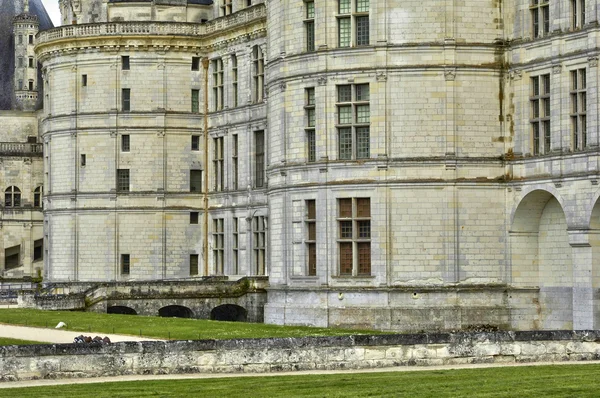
[12,197]
[37,196]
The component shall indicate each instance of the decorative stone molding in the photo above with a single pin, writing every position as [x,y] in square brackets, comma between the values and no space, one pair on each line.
[381,77]
[593,62]
[322,81]
[450,74]
[557,69]
[516,74]
[160,133]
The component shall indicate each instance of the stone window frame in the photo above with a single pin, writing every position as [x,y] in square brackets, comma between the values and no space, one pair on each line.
[235,246]
[125,143]
[218,235]
[12,197]
[353,121]
[577,14]
[123,180]
[38,193]
[234,81]
[195,142]
[310,225]
[540,114]
[125,100]
[195,64]
[195,100]
[218,164]
[194,262]
[218,75]
[259,244]
[259,159]
[258,74]
[353,26]
[310,123]
[309,25]
[195,181]
[354,236]
[125,264]
[540,18]
[235,161]
[578,108]
[31,63]
[125,62]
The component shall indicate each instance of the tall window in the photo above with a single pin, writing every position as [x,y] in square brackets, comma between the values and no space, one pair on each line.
[195,101]
[234,161]
[259,234]
[195,142]
[540,114]
[258,74]
[540,17]
[195,63]
[354,236]
[577,14]
[309,25]
[37,196]
[125,62]
[218,163]
[217,65]
[12,197]
[259,159]
[194,216]
[125,264]
[579,108]
[218,245]
[125,143]
[193,264]
[196,181]
[309,109]
[126,99]
[234,81]
[311,237]
[354,117]
[225,7]
[353,16]
[235,246]
[122,180]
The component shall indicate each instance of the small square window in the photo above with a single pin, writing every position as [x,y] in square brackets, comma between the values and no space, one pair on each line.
[195,63]
[125,147]
[125,62]
[194,215]
[84,80]
[125,264]
[195,143]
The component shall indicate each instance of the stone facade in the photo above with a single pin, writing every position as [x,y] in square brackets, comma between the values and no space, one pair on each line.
[401,165]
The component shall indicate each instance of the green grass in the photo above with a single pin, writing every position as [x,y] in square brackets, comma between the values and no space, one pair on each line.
[7,341]
[163,328]
[533,381]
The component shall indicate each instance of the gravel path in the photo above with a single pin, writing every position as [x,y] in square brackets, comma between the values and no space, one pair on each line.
[57,335]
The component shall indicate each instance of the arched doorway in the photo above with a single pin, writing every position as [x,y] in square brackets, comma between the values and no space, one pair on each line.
[120,309]
[175,311]
[229,312]
[541,257]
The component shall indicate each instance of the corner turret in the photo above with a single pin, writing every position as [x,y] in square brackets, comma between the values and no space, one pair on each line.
[25,27]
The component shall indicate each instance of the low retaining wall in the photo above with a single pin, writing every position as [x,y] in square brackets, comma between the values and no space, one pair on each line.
[289,354]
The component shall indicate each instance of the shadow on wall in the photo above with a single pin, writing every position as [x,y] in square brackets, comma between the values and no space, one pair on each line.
[229,312]
[175,311]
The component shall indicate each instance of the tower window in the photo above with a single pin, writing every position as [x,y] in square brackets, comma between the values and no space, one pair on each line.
[30,39]
[125,62]
[125,264]
[195,143]
[84,80]
[195,63]
[125,143]
[126,99]
[122,180]
[31,62]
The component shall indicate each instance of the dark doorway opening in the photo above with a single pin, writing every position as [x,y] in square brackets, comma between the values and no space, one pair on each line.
[120,309]
[229,312]
[175,311]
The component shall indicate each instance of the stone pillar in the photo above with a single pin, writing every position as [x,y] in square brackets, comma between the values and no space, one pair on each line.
[583,295]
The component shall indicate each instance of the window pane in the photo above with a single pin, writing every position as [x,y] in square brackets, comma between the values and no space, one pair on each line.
[364,229]
[311,209]
[344,93]
[363,114]
[364,258]
[344,32]
[310,10]
[345,229]
[310,115]
[362,5]
[345,208]
[345,258]
[345,7]
[312,259]
[312,146]
[363,207]
[345,114]
[362,142]
[362,92]
[312,231]
[310,96]
[362,31]
[345,143]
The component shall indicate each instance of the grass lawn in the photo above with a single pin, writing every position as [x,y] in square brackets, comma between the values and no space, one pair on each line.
[7,341]
[533,381]
[163,328]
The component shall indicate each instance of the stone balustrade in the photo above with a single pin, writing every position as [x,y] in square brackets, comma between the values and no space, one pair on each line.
[153,28]
[20,149]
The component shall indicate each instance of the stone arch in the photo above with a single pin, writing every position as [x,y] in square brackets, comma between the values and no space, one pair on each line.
[541,257]
[594,249]
[175,311]
[229,312]
[121,309]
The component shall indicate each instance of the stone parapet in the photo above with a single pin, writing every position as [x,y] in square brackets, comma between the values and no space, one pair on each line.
[290,354]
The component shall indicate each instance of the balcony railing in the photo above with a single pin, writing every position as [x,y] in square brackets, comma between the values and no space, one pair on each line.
[20,149]
[153,28]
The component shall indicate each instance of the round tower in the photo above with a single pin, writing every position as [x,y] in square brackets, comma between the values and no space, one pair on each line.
[25,27]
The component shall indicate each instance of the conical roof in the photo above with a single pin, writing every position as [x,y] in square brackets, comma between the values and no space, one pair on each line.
[8,10]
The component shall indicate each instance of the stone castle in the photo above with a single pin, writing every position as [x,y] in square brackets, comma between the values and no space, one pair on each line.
[403,165]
